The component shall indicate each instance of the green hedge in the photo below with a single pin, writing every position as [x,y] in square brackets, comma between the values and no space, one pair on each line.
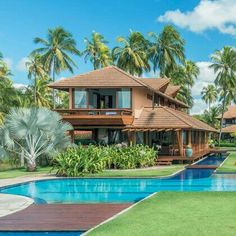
[80,160]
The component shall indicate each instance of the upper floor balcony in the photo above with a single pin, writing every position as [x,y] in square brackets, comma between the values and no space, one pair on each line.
[97,117]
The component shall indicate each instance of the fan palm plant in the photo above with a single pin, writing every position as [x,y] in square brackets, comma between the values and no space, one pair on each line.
[224,65]
[97,51]
[209,95]
[132,56]
[55,52]
[35,132]
[166,50]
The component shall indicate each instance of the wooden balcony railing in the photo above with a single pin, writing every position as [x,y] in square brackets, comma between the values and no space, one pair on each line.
[97,117]
[95,112]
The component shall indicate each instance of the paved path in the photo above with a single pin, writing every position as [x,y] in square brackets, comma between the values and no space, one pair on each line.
[17,180]
[57,217]
[12,203]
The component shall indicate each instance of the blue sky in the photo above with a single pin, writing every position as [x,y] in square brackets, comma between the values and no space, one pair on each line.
[206,25]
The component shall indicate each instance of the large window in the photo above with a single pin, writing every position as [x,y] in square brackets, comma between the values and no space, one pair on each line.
[124,98]
[80,98]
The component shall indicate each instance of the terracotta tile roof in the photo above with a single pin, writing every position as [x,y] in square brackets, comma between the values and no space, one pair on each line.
[172,90]
[168,118]
[112,77]
[230,113]
[106,77]
[156,84]
[229,129]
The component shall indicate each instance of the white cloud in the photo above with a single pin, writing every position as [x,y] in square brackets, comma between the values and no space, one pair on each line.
[8,61]
[207,15]
[21,64]
[19,86]
[199,106]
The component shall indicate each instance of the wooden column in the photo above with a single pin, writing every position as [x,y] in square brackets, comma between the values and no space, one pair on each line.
[71,98]
[132,137]
[72,135]
[180,142]
[189,138]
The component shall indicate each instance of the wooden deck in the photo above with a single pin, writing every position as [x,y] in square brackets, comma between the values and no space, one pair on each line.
[201,167]
[60,217]
[167,160]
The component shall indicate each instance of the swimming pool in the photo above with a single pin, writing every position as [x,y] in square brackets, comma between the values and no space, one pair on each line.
[91,190]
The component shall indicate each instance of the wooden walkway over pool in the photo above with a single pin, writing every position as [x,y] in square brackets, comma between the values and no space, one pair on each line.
[168,160]
[60,217]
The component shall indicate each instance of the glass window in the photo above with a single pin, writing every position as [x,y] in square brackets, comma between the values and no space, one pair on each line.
[124,98]
[80,98]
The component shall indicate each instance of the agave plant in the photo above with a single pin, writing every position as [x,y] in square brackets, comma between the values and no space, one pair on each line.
[34,132]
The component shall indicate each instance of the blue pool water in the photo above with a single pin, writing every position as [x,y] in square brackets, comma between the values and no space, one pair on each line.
[77,190]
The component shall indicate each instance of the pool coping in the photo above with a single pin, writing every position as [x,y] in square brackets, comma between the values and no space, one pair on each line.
[15,203]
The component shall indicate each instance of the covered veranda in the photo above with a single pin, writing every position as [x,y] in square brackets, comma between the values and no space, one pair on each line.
[170,131]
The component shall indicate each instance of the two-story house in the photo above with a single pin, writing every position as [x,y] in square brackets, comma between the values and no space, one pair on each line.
[118,107]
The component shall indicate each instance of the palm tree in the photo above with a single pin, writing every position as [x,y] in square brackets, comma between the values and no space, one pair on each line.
[97,51]
[43,92]
[191,71]
[179,77]
[5,73]
[211,116]
[8,94]
[209,95]
[132,56]
[35,132]
[224,65]
[55,52]
[166,50]
[35,70]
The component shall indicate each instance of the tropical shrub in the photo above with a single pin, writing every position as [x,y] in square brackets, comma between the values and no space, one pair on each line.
[80,160]
[76,161]
[33,132]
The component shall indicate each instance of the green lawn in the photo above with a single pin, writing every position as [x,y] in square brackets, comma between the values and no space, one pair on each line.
[165,171]
[229,165]
[177,214]
[22,172]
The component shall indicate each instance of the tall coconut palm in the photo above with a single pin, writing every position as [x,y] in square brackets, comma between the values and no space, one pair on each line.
[209,95]
[43,92]
[35,132]
[97,51]
[191,71]
[5,73]
[166,50]
[132,56]
[35,71]
[179,77]
[55,52]
[224,65]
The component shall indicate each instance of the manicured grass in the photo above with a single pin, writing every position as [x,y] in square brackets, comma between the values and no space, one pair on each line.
[22,172]
[230,164]
[178,214]
[165,171]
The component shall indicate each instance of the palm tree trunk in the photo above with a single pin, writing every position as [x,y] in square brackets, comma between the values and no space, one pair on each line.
[221,119]
[35,90]
[31,166]
[53,90]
